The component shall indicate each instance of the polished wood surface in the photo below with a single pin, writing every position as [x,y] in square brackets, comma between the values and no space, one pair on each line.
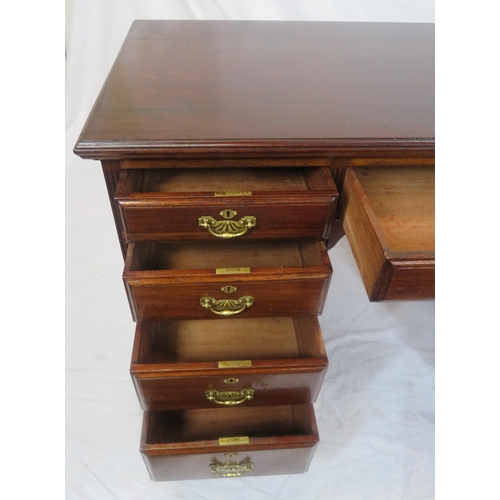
[225,87]
[388,217]
[175,362]
[183,444]
[287,277]
[163,204]
[265,462]
[194,107]
[172,161]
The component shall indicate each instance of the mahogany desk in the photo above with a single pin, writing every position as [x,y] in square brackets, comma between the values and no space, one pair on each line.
[235,154]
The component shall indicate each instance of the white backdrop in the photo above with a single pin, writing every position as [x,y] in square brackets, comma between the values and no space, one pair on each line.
[375,412]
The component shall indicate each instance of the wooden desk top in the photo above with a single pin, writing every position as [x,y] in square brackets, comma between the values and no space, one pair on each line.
[274,87]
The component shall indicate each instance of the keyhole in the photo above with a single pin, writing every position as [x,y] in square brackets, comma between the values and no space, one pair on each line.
[228,213]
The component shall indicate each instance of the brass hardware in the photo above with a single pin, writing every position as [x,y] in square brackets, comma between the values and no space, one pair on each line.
[228,289]
[231,469]
[229,398]
[233,193]
[231,380]
[227,307]
[227,228]
[234,440]
[228,213]
[235,364]
[232,270]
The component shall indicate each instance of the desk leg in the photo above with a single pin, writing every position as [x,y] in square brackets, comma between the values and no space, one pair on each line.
[111,170]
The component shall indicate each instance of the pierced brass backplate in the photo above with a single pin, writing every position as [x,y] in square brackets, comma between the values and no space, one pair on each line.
[231,468]
[227,307]
[229,398]
[227,228]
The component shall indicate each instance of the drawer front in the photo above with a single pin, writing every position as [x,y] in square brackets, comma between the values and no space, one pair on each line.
[285,297]
[227,220]
[231,389]
[240,463]
[202,204]
[411,281]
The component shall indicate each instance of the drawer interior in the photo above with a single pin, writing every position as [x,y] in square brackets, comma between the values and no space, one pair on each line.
[211,424]
[210,180]
[388,217]
[226,254]
[192,341]
[402,200]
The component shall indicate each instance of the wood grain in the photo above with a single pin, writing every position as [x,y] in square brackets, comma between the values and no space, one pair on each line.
[388,217]
[402,200]
[165,204]
[236,162]
[286,277]
[175,362]
[194,107]
[182,444]
[220,87]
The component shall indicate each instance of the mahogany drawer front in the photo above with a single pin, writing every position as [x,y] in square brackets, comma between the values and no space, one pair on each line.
[388,218]
[207,280]
[222,442]
[241,362]
[203,204]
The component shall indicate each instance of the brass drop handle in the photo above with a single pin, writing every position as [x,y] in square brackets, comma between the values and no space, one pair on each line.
[229,398]
[227,228]
[227,307]
[231,468]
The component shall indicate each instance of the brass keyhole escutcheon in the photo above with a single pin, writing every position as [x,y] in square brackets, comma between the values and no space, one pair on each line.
[228,213]
[228,289]
[231,380]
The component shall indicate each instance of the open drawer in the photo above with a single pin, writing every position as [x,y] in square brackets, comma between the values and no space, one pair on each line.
[388,217]
[242,362]
[221,279]
[222,442]
[208,203]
